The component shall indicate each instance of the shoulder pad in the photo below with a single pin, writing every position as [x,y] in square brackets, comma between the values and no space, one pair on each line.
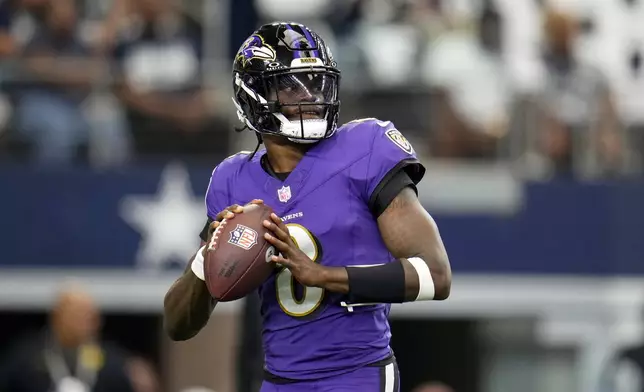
[367,122]
[234,160]
[218,192]
[229,167]
[386,148]
[242,153]
[371,132]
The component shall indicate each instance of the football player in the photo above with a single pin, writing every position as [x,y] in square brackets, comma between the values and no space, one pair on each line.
[352,235]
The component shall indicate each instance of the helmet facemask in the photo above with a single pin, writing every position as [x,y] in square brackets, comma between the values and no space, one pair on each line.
[299,103]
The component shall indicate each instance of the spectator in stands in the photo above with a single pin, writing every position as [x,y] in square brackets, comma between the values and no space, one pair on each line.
[472,95]
[117,16]
[7,43]
[159,60]
[18,20]
[580,132]
[68,356]
[57,81]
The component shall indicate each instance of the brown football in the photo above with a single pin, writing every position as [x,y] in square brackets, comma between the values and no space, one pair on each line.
[237,259]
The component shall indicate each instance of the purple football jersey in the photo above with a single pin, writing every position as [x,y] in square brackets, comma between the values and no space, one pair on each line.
[307,334]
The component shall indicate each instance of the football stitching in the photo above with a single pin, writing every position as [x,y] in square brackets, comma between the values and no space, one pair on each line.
[215,235]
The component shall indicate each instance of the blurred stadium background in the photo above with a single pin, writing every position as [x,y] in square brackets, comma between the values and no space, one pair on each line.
[529,115]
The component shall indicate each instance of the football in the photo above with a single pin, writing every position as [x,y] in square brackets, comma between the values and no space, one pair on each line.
[237,259]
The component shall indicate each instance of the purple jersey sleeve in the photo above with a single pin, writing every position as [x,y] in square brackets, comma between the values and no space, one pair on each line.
[216,194]
[390,152]
[219,194]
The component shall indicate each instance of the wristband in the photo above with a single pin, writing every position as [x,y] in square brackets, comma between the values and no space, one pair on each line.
[197,264]
[426,291]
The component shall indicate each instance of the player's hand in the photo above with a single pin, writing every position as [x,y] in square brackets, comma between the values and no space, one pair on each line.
[304,270]
[228,213]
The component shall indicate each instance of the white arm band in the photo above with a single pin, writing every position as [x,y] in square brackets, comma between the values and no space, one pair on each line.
[426,289]
[197,264]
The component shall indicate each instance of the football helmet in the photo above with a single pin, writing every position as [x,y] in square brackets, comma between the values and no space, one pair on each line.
[285,82]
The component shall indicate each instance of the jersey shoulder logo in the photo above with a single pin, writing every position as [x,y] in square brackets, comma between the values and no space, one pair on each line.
[243,237]
[398,139]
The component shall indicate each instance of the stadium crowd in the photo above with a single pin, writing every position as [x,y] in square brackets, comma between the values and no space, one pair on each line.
[550,92]
[110,83]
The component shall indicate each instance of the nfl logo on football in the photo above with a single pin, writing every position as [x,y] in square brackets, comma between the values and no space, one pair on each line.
[243,237]
[284,194]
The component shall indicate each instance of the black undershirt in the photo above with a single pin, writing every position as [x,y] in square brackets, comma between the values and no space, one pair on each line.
[397,179]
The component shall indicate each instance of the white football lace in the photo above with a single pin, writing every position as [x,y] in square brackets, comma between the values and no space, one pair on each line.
[215,235]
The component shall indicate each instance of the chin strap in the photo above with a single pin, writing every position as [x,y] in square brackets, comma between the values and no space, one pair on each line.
[257,134]
[259,143]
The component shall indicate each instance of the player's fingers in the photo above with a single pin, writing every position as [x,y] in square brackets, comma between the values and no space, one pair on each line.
[211,229]
[279,233]
[257,201]
[278,259]
[279,244]
[280,223]
[232,210]
[227,213]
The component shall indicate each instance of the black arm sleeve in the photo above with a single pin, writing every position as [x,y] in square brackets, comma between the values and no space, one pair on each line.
[390,186]
[381,283]
[204,232]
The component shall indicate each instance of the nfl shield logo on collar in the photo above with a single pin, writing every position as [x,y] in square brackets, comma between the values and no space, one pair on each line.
[284,194]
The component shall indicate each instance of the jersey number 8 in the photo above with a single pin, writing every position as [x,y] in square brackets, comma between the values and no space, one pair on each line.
[285,284]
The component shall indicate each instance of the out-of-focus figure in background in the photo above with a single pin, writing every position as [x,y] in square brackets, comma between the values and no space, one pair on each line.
[158,61]
[18,22]
[54,88]
[7,43]
[580,133]
[69,355]
[472,94]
